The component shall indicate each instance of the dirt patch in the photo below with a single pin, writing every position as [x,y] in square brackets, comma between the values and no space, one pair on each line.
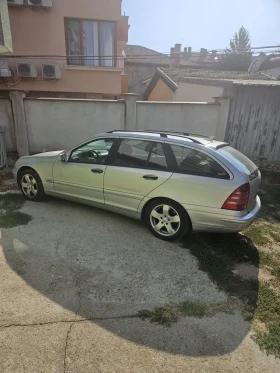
[7,182]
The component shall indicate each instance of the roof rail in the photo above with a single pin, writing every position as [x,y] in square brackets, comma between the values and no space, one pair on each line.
[166,133]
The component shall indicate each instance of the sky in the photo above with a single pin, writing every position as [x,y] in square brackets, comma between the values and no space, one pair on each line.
[159,24]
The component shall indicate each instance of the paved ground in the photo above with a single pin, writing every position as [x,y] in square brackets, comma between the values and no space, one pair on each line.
[72,282]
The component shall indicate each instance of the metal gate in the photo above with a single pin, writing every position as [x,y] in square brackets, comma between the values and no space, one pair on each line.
[3,152]
[254,121]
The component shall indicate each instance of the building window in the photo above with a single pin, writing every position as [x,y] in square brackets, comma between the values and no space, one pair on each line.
[90,43]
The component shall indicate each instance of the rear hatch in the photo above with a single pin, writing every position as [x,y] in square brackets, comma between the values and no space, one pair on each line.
[249,169]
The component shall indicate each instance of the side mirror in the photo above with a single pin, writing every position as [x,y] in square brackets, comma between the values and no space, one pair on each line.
[63,158]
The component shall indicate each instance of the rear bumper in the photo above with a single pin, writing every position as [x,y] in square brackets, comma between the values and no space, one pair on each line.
[209,222]
[239,224]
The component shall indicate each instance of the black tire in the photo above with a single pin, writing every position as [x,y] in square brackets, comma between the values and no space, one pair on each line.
[35,185]
[164,221]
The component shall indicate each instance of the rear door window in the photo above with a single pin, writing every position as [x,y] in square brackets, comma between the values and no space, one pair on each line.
[240,160]
[141,154]
[194,162]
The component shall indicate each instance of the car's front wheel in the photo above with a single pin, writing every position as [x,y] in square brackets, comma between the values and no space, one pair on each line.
[31,185]
[167,219]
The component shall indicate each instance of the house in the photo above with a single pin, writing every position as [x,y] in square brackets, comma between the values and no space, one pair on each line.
[193,85]
[266,64]
[5,29]
[141,63]
[66,48]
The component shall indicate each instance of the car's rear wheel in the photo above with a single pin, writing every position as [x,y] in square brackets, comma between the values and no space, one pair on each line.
[167,219]
[31,185]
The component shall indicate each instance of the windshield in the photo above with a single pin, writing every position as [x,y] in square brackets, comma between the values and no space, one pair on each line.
[239,159]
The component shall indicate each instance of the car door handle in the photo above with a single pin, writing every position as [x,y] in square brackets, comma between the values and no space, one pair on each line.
[97,171]
[150,177]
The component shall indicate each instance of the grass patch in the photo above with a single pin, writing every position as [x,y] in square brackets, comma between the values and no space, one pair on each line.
[268,312]
[268,305]
[269,341]
[166,315]
[170,313]
[256,234]
[269,262]
[10,216]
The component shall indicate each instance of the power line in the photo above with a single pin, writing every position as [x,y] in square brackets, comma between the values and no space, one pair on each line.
[147,56]
[130,57]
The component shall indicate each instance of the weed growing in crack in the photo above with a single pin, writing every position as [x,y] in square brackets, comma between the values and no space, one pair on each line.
[170,313]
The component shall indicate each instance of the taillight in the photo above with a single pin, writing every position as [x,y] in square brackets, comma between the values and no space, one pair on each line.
[238,200]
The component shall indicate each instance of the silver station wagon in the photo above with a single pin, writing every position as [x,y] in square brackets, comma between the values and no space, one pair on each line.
[175,182]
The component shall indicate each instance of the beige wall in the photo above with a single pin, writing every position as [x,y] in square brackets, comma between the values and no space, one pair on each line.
[60,124]
[41,32]
[197,118]
[161,92]
[54,124]
[197,93]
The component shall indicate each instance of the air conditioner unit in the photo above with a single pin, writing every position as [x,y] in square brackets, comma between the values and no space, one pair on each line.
[15,2]
[51,71]
[40,3]
[5,71]
[26,70]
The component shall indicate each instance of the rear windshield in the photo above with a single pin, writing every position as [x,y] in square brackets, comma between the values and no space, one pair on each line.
[238,159]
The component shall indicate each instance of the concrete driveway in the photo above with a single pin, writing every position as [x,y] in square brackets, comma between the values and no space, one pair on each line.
[73,281]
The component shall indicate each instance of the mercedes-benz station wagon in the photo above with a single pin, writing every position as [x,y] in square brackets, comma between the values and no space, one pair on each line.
[174,182]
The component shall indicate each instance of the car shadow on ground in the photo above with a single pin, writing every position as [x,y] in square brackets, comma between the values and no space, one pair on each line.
[194,298]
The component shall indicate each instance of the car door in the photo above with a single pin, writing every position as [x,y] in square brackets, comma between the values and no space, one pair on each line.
[82,176]
[138,167]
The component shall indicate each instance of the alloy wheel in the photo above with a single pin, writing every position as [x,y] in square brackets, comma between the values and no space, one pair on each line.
[29,186]
[165,220]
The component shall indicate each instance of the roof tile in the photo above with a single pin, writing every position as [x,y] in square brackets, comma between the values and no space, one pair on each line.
[178,74]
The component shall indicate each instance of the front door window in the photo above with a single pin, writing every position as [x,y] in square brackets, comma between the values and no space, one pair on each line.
[94,152]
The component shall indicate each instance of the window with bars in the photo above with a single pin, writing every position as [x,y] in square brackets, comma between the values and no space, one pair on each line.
[90,43]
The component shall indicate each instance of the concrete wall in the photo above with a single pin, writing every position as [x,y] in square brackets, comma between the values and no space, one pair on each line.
[42,32]
[197,93]
[197,118]
[161,92]
[60,124]
[35,125]
[6,121]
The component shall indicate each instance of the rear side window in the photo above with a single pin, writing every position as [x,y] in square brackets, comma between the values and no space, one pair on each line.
[238,159]
[141,154]
[193,162]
